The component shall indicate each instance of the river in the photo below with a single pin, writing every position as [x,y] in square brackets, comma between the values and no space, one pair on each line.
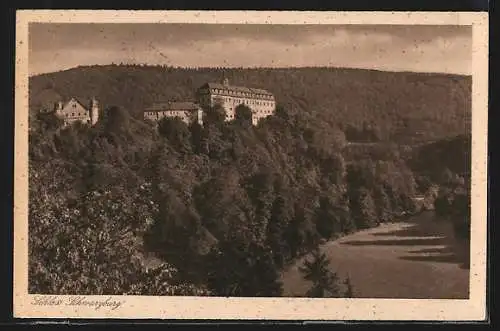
[418,258]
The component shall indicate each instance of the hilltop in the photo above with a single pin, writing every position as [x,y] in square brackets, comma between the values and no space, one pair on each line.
[400,106]
[228,193]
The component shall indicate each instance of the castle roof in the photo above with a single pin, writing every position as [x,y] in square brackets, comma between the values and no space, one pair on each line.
[236,88]
[78,100]
[173,105]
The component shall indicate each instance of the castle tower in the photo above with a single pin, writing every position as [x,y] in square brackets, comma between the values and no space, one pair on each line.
[94,111]
[199,116]
[59,107]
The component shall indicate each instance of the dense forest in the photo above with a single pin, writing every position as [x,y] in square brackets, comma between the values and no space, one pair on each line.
[131,207]
[367,104]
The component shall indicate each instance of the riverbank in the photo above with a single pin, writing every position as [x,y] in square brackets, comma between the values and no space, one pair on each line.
[415,258]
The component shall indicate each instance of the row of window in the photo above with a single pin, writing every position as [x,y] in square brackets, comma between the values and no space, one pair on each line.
[249,102]
[182,114]
[66,122]
[265,112]
[241,94]
[231,116]
[74,114]
[261,112]
[153,113]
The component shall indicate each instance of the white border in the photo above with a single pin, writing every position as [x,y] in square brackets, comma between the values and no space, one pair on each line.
[261,308]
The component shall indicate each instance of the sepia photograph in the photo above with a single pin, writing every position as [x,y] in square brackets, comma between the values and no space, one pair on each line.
[218,157]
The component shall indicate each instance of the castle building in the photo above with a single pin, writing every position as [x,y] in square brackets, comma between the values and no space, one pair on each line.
[75,111]
[187,111]
[261,102]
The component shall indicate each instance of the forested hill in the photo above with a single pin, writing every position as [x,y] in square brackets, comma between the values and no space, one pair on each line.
[447,155]
[396,106]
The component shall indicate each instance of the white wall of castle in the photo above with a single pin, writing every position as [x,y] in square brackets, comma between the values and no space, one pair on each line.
[187,116]
[261,105]
[73,111]
[94,112]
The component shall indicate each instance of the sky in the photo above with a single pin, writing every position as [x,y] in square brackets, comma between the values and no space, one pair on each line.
[440,49]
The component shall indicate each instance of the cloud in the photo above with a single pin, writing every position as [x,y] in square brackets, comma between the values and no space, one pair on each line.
[394,48]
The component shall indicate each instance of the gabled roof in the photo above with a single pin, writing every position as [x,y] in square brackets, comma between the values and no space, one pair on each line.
[77,100]
[236,88]
[173,105]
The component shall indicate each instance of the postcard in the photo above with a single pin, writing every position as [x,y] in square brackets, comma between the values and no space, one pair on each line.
[251,165]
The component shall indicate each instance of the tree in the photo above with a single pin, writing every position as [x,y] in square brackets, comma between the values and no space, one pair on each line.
[116,119]
[329,222]
[44,122]
[276,230]
[447,177]
[259,188]
[349,293]
[92,246]
[430,196]
[196,137]
[177,133]
[363,208]
[240,269]
[324,282]
[243,115]
[384,210]
[442,204]
[282,112]
[214,115]
[258,196]
[301,233]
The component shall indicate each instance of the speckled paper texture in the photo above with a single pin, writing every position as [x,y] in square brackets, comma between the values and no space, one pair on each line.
[125,307]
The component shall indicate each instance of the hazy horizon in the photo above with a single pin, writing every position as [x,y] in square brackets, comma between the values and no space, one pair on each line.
[412,48]
[229,68]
